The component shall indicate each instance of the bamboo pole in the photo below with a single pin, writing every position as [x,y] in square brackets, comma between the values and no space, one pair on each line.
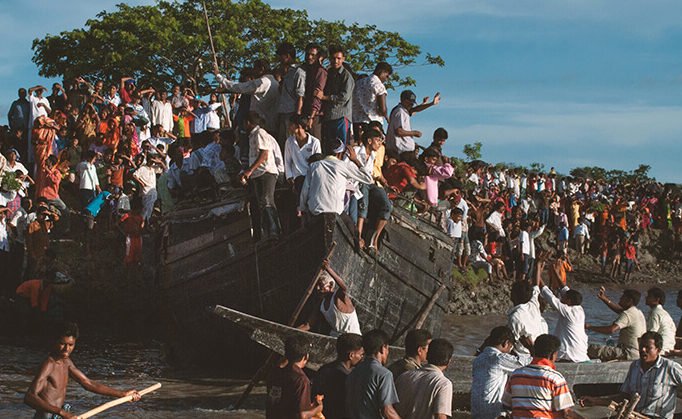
[228,123]
[113,403]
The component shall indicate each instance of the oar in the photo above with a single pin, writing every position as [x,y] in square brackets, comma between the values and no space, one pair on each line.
[228,123]
[125,399]
[292,321]
[418,321]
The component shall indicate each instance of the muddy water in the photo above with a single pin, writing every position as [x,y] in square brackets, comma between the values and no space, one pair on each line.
[205,394]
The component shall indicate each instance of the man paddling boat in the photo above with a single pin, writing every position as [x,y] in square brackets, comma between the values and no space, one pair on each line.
[47,392]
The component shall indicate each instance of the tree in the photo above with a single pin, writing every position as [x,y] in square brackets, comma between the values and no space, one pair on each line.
[168,43]
[537,167]
[473,151]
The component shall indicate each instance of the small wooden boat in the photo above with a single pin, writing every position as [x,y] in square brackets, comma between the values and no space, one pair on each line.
[582,377]
[207,256]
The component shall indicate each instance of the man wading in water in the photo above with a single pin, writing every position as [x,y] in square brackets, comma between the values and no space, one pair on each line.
[48,389]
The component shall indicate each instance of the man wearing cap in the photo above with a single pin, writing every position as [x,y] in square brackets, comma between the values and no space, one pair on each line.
[400,137]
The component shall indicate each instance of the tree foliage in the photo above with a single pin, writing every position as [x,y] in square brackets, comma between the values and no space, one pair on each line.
[640,174]
[473,151]
[168,43]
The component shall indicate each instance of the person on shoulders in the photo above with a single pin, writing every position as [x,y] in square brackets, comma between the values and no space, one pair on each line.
[630,324]
[493,364]
[370,391]
[47,392]
[659,320]
[654,378]
[289,394]
[331,378]
[416,348]
[538,390]
[427,392]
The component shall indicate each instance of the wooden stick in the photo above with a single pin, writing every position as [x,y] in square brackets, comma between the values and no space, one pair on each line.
[273,356]
[228,123]
[420,318]
[124,399]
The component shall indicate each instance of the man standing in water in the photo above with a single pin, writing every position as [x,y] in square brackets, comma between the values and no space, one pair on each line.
[48,389]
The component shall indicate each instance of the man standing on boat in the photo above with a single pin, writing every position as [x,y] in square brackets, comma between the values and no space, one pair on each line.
[370,392]
[336,306]
[654,378]
[264,153]
[630,324]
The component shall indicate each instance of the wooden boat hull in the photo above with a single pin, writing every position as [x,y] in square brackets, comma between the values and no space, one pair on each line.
[581,376]
[208,257]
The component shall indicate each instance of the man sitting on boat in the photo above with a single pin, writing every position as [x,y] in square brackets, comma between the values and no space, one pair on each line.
[654,378]
[630,323]
[336,306]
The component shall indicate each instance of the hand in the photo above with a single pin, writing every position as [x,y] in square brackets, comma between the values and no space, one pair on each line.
[319,94]
[417,134]
[68,415]
[135,394]
[446,160]
[587,326]
[40,105]
[436,99]
[426,100]
[325,264]
[351,153]
[586,401]
[309,124]
[602,293]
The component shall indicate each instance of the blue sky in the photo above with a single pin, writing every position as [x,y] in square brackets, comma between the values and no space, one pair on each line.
[585,82]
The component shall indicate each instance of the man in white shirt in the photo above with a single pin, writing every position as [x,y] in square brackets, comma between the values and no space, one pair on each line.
[525,318]
[369,98]
[264,91]
[146,177]
[400,135]
[659,320]
[581,235]
[494,221]
[88,180]
[325,185]
[262,174]
[162,111]
[297,150]
[570,328]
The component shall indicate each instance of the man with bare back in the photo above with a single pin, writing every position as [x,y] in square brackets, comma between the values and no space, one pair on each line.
[48,389]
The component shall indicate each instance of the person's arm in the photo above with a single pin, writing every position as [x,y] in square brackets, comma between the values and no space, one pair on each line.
[604,330]
[300,90]
[426,104]
[305,189]
[95,387]
[417,185]
[334,275]
[382,110]
[616,308]
[389,412]
[39,383]
[400,132]
[33,89]
[587,401]
[262,157]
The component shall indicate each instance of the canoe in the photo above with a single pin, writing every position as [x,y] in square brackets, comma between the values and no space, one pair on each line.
[582,377]
[208,256]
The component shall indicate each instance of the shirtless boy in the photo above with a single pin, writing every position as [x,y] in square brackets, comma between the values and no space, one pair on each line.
[48,389]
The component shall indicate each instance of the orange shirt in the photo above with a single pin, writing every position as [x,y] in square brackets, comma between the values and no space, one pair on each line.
[34,291]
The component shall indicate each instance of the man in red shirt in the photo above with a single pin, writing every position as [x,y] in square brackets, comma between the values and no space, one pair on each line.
[289,394]
[400,175]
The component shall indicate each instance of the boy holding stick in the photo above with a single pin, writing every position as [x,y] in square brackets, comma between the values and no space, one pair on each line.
[47,392]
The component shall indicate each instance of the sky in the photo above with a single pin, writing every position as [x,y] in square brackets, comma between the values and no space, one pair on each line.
[564,83]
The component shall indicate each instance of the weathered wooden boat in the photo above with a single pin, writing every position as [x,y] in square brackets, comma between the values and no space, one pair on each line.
[208,256]
[584,378]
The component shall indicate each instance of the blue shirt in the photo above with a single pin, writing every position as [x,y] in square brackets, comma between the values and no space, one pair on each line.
[657,387]
[369,388]
[95,206]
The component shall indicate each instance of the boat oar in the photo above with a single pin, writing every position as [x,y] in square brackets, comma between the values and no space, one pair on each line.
[113,403]
[228,123]
[292,321]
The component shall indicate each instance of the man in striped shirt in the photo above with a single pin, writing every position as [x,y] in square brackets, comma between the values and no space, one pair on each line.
[538,390]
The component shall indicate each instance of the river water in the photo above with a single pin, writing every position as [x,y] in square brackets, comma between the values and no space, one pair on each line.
[206,394]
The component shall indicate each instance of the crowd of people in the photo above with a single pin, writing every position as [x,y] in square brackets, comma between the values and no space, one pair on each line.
[93,156]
